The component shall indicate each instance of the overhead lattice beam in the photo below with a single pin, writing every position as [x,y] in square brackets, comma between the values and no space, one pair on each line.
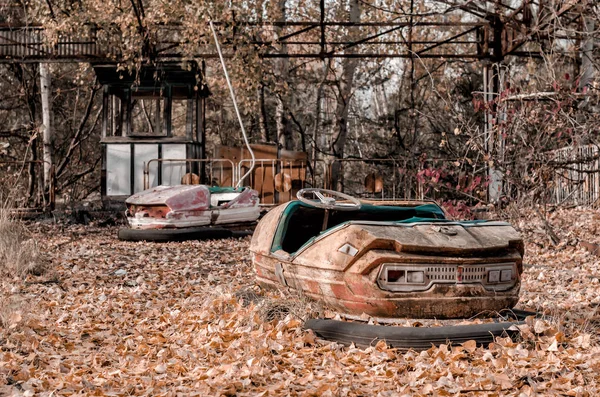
[495,34]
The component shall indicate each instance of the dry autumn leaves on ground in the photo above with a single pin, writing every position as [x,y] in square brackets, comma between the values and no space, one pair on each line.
[96,316]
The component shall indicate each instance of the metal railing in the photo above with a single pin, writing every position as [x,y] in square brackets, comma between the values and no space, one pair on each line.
[278,180]
[264,178]
[353,174]
[577,177]
[31,43]
[212,166]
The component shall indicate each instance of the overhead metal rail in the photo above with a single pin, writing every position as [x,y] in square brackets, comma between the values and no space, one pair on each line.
[491,35]
[27,44]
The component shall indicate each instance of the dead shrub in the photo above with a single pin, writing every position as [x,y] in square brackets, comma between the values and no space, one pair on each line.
[11,311]
[249,295]
[297,305]
[19,253]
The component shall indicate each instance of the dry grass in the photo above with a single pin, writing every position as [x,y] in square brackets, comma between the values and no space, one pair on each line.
[295,304]
[11,311]
[19,253]
[19,256]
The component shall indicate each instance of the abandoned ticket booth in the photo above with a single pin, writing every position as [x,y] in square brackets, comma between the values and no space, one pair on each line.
[151,118]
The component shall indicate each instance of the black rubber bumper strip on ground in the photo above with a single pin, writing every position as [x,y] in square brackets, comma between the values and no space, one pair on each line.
[417,338]
[192,233]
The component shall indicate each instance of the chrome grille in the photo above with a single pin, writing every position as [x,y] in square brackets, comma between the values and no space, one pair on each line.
[474,274]
[441,273]
[445,274]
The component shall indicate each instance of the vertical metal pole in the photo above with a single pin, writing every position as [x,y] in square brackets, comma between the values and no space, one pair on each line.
[189,127]
[103,187]
[105,111]
[201,135]
[189,118]
[167,111]
[127,103]
[146,176]
[322,24]
[159,166]
[117,115]
[156,107]
[132,169]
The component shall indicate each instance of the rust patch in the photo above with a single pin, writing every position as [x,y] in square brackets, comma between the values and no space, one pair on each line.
[313,287]
[360,285]
[592,248]
[378,308]
[341,292]
[258,271]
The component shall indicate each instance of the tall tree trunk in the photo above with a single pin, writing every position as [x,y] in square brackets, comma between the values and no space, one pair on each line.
[260,90]
[284,130]
[262,114]
[284,138]
[317,125]
[47,133]
[338,141]
[587,55]
[413,86]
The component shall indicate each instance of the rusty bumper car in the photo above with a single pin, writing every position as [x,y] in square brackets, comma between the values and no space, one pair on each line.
[388,261]
[184,212]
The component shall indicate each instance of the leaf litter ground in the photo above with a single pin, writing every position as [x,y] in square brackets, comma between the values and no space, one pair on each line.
[116,318]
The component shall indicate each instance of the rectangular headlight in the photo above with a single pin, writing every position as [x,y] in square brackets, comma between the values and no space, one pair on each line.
[506,275]
[395,276]
[415,277]
[400,276]
[493,276]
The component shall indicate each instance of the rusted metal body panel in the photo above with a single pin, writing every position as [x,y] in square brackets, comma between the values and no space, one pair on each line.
[265,231]
[343,266]
[177,198]
[190,206]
